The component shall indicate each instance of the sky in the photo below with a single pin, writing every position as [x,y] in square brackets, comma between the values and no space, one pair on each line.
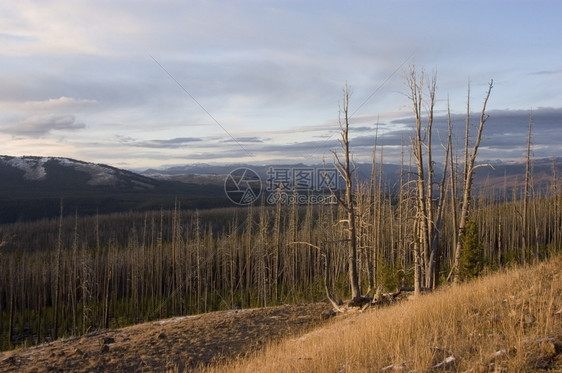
[145,84]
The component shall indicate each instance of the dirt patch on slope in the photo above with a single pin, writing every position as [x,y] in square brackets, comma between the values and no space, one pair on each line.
[177,344]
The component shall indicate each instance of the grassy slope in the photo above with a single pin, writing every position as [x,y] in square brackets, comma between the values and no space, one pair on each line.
[508,321]
[175,344]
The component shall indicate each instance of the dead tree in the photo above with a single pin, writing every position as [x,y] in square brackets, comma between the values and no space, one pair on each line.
[526,194]
[347,202]
[58,270]
[345,169]
[424,244]
[469,167]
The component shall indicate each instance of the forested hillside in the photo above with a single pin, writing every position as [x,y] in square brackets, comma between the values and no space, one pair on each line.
[77,274]
[32,188]
[73,274]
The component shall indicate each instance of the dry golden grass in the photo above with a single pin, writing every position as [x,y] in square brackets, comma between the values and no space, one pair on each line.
[509,321]
[175,345]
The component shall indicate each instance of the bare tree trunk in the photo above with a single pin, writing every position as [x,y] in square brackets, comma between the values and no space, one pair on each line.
[107,290]
[526,192]
[435,254]
[429,255]
[345,170]
[422,138]
[417,258]
[12,301]
[402,242]
[74,277]
[58,274]
[372,257]
[469,167]
[198,260]
[453,199]
[85,291]
[276,251]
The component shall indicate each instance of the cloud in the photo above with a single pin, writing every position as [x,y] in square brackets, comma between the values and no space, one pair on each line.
[546,72]
[61,103]
[48,28]
[245,139]
[504,137]
[41,125]
[10,37]
[505,133]
[272,74]
[174,143]
[362,129]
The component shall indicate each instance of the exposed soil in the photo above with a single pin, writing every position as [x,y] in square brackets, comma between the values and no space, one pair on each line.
[177,344]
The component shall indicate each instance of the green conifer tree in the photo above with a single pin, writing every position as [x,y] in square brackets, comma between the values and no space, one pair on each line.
[472,258]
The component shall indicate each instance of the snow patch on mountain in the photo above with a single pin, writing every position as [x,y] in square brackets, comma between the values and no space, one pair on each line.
[100,175]
[34,168]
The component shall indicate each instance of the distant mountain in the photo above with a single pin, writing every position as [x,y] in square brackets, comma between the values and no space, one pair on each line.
[510,177]
[499,176]
[198,168]
[204,173]
[66,173]
[32,188]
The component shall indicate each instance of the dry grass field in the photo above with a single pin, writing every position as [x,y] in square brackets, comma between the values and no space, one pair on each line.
[504,322]
[177,344]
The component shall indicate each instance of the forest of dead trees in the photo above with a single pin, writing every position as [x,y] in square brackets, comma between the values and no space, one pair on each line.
[74,275]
